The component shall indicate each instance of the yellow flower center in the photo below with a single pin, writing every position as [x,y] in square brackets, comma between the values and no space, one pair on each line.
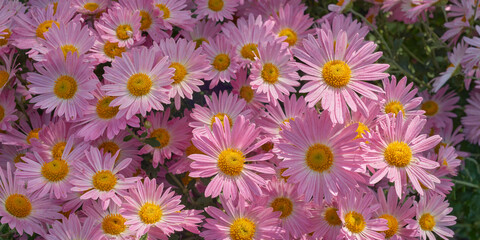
[392,225]
[230,162]
[104,180]
[398,154]
[192,150]
[33,134]
[249,51]
[394,107]
[18,205]
[124,31]
[270,73]
[146,21]
[18,158]
[180,72]
[246,92]
[221,116]
[65,87]
[150,213]
[57,150]
[215,5]
[354,222]
[319,157]
[221,62]
[430,108]
[2,113]
[162,136]
[43,27]
[91,6]
[139,84]
[4,75]
[114,224]
[164,9]
[336,73]
[55,170]
[361,129]
[427,222]
[104,110]
[242,229]
[6,35]
[331,217]
[69,48]
[112,50]
[283,205]
[290,34]
[199,42]
[109,147]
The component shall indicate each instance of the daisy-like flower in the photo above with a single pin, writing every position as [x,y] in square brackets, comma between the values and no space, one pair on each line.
[153,209]
[190,67]
[63,84]
[438,107]
[321,160]
[7,16]
[246,36]
[284,198]
[174,13]
[242,87]
[111,221]
[52,177]
[336,75]
[138,81]
[217,10]
[365,123]
[222,58]
[292,24]
[99,179]
[399,97]
[172,135]
[224,106]
[72,228]
[455,59]
[356,213]
[24,133]
[90,7]
[23,211]
[8,70]
[396,213]
[101,118]
[274,73]
[120,25]
[470,121]
[203,30]
[12,155]
[325,221]
[340,5]
[355,30]
[432,217]
[448,159]
[227,157]
[7,110]
[240,221]
[395,150]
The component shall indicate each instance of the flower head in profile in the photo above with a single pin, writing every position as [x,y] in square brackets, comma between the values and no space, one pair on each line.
[175,13]
[242,87]
[202,31]
[8,69]
[7,110]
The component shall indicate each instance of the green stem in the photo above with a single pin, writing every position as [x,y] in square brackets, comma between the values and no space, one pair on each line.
[380,36]
[468,184]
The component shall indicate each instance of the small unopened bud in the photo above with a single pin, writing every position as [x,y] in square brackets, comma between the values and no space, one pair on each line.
[147,124]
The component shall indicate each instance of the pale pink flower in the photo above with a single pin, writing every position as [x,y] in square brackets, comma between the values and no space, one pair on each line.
[216,10]
[72,228]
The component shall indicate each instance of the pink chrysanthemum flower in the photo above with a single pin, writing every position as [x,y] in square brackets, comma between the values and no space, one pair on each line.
[126,149]
[120,25]
[139,81]
[24,133]
[365,123]
[174,13]
[242,87]
[63,84]
[7,16]
[325,221]
[396,213]
[399,97]
[226,157]
[52,177]
[274,72]
[8,69]
[321,161]
[240,221]
[438,107]
[23,211]
[71,37]
[432,217]
[99,179]
[448,159]
[151,208]
[455,59]
[99,118]
[7,110]
[338,72]
[190,67]
[284,198]
[451,137]
[224,106]
[105,51]
[203,30]
[395,150]
[356,213]
[292,23]
[340,23]
[340,6]
[73,229]
[173,136]
[223,60]
[192,219]
[217,10]
[12,155]
[246,36]
[470,121]
[90,7]
[111,221]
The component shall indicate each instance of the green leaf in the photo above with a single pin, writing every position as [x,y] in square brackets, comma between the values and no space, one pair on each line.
[153,142]
[127,138]
[144,237]
[143,135]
